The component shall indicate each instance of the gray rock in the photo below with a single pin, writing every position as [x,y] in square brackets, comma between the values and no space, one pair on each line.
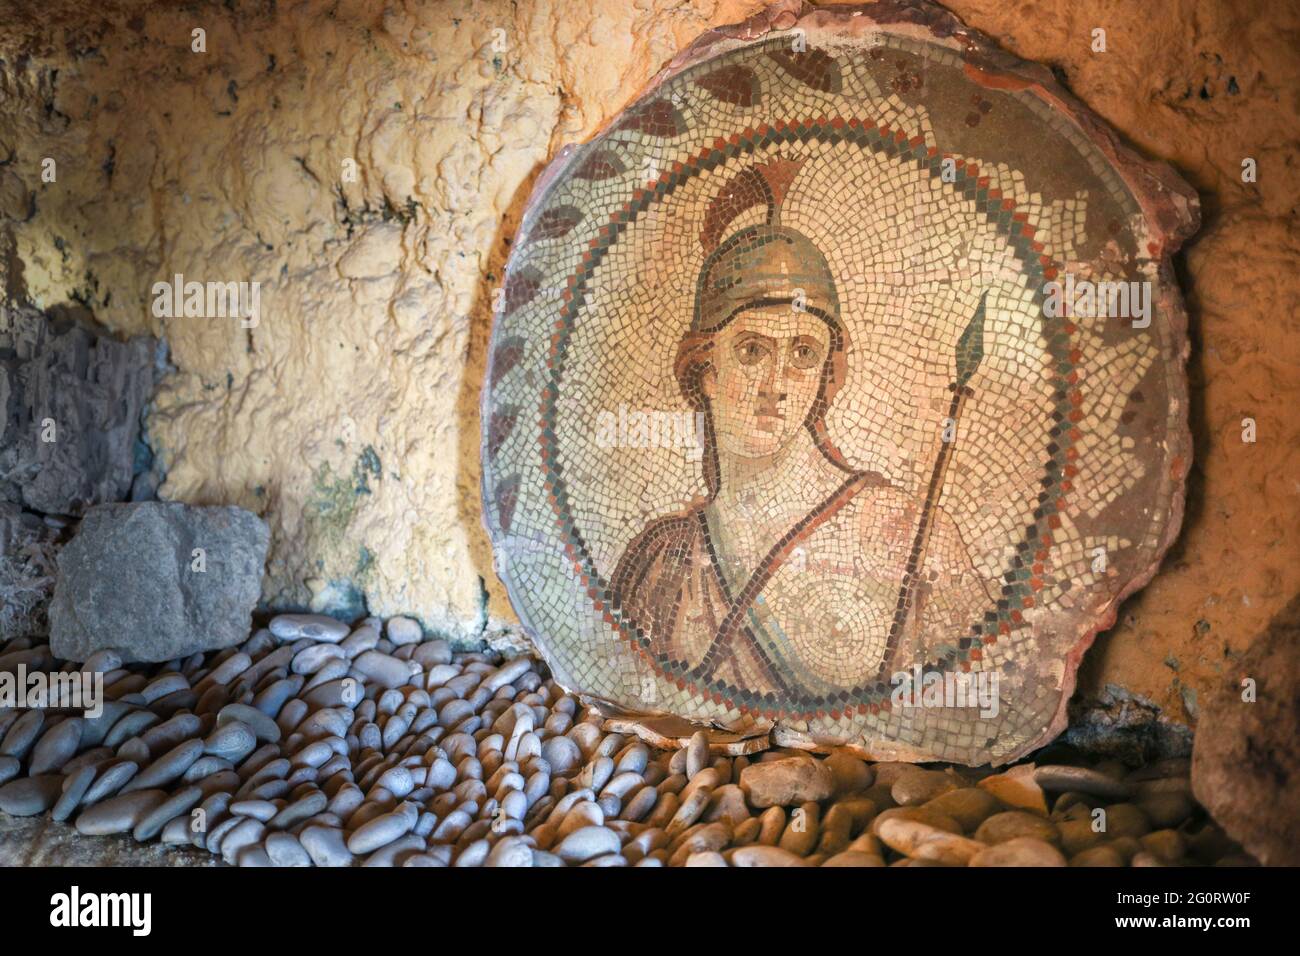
[28,547]
[9,768]
[126,581]
[59,366]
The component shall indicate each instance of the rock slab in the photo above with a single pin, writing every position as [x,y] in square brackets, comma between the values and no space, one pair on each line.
[157,581]
[71,399]
[1246,759]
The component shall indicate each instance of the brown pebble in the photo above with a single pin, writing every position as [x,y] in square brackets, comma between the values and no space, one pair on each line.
[1099,856]
[1015,824]
[1019,851]
[854,858]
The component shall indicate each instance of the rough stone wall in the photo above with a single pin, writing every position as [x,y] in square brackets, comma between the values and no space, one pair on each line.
[347,416]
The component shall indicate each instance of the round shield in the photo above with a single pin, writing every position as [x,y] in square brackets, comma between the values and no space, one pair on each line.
[838,384]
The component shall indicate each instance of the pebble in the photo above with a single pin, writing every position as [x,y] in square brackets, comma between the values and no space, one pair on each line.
[765,856]
[28,796]
[263,727]
[101,662]
[325,846]
[1017,788]
[921,786]
[924,842]
[510,851]
[74,789]
[22,735]
[1019,851]
[129,726]
[233,741]
[284,849]
[854,858]
[1082,780]
[56,747]
[586,843]
[170,766]
[697,754]
[383,669]
[969,806]
[181,802]
[562,754]
[1099,856]
[786,782]
[849,773]
[382,830]
[119,814]
[923,814]
[1016,824]
[315,656]
[1166,809]
[111,779]
[402,631]
[317,627]
[311,744]
[247,832]
[706,858]
[1168,846]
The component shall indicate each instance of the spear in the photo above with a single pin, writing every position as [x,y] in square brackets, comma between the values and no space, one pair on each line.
[970,352]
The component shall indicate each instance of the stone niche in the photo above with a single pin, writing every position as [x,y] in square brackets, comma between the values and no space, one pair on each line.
[838,386]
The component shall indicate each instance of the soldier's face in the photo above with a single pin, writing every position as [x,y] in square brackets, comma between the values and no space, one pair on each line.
[767,367]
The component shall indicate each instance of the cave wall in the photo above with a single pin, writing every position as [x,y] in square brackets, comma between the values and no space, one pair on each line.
[347,416]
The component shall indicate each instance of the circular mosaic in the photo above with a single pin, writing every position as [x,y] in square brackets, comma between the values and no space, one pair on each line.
[838,384]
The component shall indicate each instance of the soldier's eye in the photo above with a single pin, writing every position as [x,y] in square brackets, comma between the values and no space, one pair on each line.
[750,351]
[805,353]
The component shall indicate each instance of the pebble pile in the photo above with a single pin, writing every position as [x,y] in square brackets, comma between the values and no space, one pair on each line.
[313,743]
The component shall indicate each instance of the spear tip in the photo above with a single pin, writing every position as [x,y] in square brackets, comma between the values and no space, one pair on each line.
[970,347]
